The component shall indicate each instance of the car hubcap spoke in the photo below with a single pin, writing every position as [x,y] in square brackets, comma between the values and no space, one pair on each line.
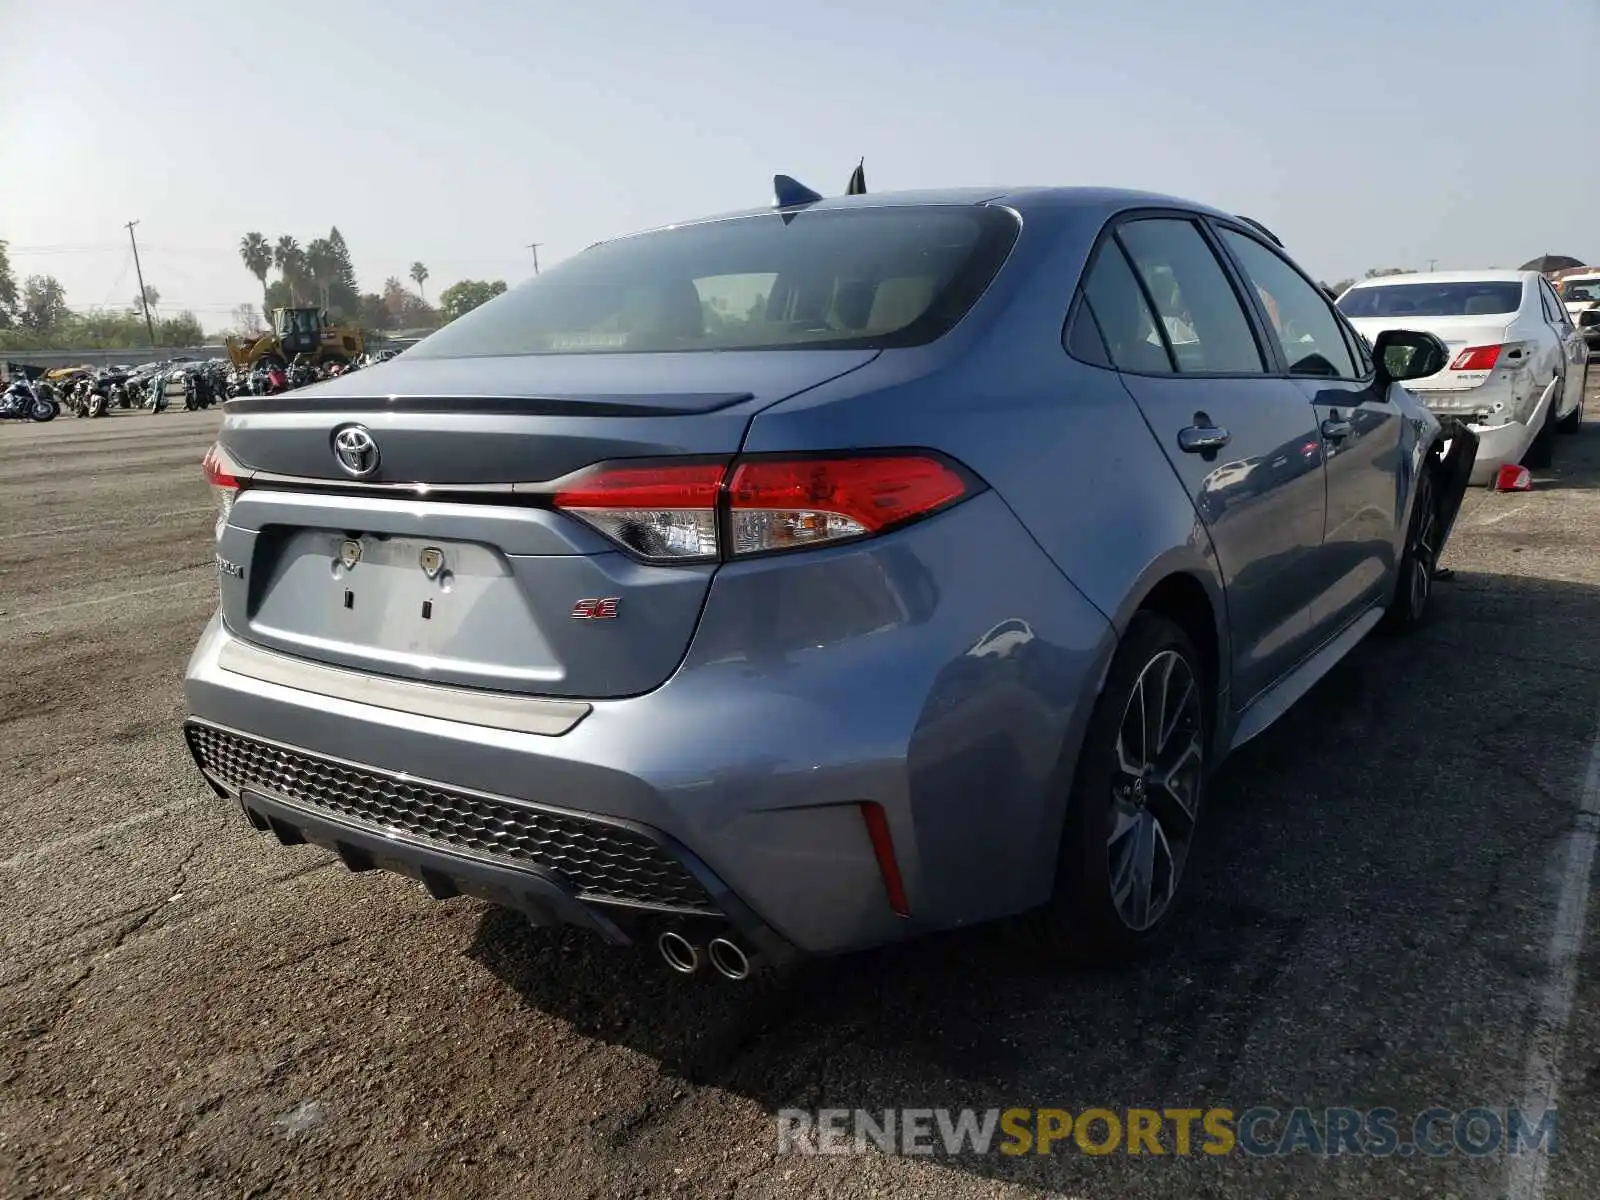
[1160,765]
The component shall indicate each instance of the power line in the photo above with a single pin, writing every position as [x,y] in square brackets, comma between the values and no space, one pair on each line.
[121,275]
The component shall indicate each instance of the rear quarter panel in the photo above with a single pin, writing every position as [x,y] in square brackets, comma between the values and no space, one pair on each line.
[1071,461]
[1062,443]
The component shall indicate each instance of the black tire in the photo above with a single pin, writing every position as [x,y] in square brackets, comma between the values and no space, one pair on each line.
[44,410]
[1573,421]
[1085,919]
[1419,561]
[97,404]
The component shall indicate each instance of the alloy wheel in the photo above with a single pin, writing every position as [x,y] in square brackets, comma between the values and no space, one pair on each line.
[1160,755]
[1424,546]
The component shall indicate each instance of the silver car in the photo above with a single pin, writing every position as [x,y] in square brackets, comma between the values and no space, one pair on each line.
[808,579]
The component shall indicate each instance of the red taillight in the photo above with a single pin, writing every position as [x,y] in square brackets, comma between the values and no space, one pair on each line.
[666,512]
[216,468]
[883,850]
[227,477]
[669,512]
[781,504]
[1476,358]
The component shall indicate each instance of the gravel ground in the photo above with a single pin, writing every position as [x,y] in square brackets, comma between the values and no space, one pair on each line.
[189,1009]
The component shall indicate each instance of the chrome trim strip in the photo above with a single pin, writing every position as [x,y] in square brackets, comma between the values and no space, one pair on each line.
[468,706]
[407,489]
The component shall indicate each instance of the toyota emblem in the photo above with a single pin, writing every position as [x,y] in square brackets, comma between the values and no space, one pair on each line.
[356,451]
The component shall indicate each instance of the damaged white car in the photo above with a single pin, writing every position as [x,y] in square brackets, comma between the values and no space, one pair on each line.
[1515,371]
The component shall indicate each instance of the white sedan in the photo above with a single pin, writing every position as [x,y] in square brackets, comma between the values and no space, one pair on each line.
[1515,371]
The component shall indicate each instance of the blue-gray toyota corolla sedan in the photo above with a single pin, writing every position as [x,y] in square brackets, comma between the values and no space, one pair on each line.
[801,580]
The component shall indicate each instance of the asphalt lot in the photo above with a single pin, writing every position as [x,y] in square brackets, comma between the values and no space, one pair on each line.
[189,1009]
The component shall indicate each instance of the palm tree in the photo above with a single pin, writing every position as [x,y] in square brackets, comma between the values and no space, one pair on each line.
[322,263]
[290,261]
[419,276]
[257,255]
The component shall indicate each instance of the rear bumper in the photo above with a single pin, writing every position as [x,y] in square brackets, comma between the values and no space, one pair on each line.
[448,869]
[943,674]
[1498,444]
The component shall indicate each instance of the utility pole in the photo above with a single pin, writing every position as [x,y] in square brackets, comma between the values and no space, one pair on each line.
[149,325]
[534,246]
[1432,262]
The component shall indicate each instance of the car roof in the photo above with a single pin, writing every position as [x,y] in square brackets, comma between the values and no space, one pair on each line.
[1023,199]
[1449,277]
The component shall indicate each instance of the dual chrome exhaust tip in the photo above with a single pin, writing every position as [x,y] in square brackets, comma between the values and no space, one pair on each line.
[727,958]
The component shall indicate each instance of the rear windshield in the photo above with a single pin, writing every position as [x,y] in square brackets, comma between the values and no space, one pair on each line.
[840,279]
[1573,291]
[1432,300]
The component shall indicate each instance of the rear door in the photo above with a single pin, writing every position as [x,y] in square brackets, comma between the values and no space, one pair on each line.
[1574,351]
[1243,440]
[1359,428]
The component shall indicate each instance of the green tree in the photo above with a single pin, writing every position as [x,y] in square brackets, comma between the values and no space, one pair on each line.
[407,310]
[181,330]
[44,304]
[149,300]
[322,266]
[419,276]
[373,313]
[344,297]
[257,255]
[8,290]
[1380,272]
[278,296]
[291,263]
[461,298]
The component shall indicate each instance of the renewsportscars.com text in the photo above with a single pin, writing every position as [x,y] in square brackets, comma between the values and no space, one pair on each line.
[1260,1131]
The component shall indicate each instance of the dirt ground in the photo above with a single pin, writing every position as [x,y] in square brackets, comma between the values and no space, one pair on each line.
[189,1009]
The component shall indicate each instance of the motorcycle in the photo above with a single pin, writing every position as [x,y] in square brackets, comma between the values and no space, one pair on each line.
[96,395]
[26,400]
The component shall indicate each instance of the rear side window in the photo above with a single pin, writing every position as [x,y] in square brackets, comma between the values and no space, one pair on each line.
[867,278]
[1312,340]
[1555,312]
[1122,315]
[1204,321]
[1083,340]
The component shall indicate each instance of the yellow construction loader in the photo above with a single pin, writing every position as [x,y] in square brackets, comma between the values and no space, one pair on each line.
[297,331]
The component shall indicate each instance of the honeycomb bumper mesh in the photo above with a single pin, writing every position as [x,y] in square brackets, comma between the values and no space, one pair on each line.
[596,860]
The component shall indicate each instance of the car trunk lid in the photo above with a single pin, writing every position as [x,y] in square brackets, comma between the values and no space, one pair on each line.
[1457,334]
[445,562]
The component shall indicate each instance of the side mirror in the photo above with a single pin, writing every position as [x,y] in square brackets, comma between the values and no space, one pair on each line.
[1403,354]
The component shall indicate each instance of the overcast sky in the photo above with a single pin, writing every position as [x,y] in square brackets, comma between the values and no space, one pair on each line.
[1364,133]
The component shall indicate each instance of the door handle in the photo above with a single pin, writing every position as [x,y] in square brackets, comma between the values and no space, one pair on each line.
[1198,439]
[1336,429]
